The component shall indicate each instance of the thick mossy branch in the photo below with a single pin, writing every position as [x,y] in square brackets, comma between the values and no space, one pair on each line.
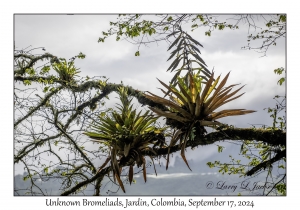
[33,60]
[271,137]
[40,79]
[111,87]
[143,100]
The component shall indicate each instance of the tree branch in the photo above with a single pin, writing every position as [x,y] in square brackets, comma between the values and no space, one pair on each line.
[33,60]
[42,103]
[99,175]
[265,164]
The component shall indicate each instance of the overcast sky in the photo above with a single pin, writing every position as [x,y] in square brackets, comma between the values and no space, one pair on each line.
[67,35]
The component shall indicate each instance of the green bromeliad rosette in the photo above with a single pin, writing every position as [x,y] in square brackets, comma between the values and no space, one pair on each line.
[128,135]
[192,106]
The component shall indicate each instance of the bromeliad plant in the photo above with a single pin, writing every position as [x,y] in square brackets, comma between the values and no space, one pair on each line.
[193,105]
[128,135]
[66,70]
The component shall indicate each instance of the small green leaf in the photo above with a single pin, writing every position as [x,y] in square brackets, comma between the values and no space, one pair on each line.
[281,81]
[220,148]
[45,70]
[101,39]
[208,33]
[200,17]
[46,89]
[210,164]
[137,53]
[282,18]
[279,71]
[30,71]
[81,55]
[170,18]
[46,170]
[27,82]
[221,26]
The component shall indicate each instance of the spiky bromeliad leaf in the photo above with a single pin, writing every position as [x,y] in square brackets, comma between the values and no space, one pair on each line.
[130,174]
[195,105]
[175,42]
[104,164]
[174,140]
[172,34]
[186,46]
[127,134]
[203,69]
[153,165]
[193,40]
[195,48]
[144,170]
[198,58]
